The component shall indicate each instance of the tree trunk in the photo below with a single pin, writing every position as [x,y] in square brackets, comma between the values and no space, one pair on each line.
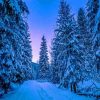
[71,87]
[75,87]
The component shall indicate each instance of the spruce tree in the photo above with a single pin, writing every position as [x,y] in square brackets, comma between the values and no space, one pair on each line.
[93,7]
[96,41]
[65,50]
[73,72]
[85,39]
[14,41]
[43,61]
[56,64]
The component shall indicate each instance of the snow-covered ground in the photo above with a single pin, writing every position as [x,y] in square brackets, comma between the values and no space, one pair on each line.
[89,87]
[33,90]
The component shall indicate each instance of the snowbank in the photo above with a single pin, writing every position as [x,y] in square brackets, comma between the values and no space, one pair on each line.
[89,87]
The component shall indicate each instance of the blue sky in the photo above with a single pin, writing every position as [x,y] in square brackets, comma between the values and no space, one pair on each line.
[42,20]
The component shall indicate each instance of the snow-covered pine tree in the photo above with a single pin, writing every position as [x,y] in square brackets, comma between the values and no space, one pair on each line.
[65,56]
[6,61]
[56,56]
[96,41]
[13,32]
[85,38]
[54,62]
[43,61]
[6,48]
[26,50]
[21,43]
[75,61]
[93,7]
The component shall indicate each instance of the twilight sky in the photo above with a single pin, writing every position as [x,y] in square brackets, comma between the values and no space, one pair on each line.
[42,20]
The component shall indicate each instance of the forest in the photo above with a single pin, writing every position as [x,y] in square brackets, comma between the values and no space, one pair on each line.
[72,72]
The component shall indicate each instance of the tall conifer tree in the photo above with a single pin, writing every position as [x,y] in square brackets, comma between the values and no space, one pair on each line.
[43,61]
[15,58]
[93,7]
[85,39]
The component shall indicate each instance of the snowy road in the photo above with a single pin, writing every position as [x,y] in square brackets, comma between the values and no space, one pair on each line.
[33,90]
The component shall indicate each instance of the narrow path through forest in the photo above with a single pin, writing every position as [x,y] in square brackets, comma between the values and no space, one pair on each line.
[33,90]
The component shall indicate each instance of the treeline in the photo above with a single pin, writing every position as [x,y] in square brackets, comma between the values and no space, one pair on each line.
[75,51]
[15,49]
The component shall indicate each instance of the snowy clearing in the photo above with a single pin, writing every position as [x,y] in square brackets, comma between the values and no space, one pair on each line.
[33,90]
